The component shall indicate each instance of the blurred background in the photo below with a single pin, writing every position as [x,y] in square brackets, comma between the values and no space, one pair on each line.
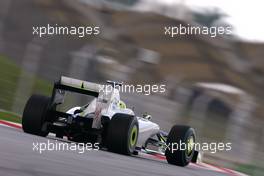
[214,84]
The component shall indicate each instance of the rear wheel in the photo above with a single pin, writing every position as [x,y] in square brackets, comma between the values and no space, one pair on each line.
[35,114]
[122,134]
[181,141]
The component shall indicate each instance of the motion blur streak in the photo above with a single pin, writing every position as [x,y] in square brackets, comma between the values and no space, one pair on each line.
[213,84]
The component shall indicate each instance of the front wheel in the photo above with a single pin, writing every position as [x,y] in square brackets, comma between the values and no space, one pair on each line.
[180,144]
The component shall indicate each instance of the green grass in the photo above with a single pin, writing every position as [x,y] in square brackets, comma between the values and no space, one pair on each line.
[250,169]
[9,77]
[9,116]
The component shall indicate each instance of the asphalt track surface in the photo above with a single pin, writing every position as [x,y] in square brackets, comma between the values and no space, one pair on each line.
[18,158]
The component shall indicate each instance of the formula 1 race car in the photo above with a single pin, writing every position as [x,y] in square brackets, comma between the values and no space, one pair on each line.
[107,121]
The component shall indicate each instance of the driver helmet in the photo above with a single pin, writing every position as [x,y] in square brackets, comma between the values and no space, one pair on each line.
[122,105]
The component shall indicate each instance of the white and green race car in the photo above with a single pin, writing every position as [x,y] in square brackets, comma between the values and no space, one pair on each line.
[105,120]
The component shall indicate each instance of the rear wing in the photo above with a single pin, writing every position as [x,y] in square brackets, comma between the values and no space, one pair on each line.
[73,85]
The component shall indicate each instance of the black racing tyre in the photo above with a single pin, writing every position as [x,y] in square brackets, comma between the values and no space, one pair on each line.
[35,114]
[122,134]
[180,144]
